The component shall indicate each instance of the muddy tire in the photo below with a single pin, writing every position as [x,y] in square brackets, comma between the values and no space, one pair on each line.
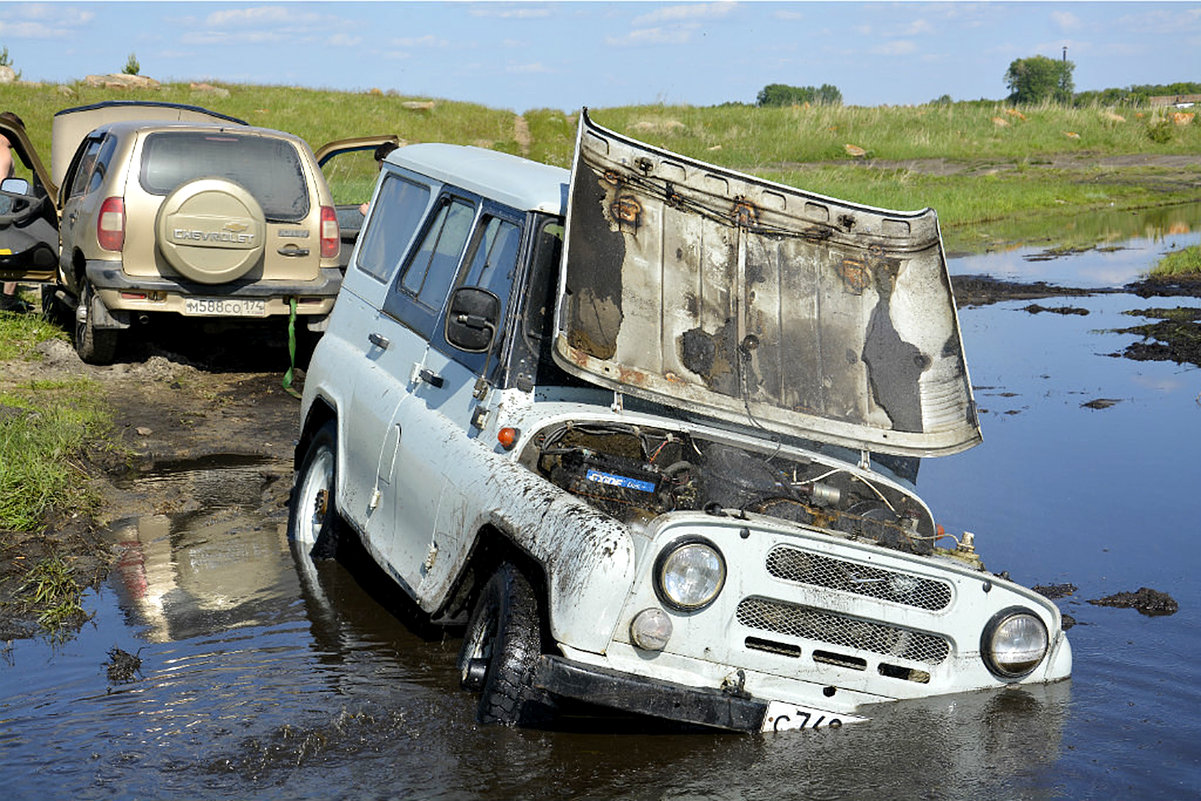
[501,649]
[313,519]
[94,345]
[211,230]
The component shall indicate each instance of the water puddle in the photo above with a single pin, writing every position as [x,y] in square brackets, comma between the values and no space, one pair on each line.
[262,673]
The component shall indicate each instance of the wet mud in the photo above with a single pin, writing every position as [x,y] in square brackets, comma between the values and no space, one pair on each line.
[1174,335]
[178,402]
[1146,601]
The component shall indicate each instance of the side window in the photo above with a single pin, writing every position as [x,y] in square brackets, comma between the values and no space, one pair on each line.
[103,158]
[491,264]
[83,171]
[494,256]
[417,297]
[431,270]
[398,211]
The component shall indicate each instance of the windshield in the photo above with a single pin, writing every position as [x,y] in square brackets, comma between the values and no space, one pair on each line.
[268,168]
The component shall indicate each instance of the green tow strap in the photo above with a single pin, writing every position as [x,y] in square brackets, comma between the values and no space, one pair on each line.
[291,350]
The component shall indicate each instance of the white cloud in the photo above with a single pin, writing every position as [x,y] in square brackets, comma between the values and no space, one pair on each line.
[916,28]
[509,11]
[684,13]
[1065,20]
[901,47]
[43,21]
[429,40]
[676,35]
[344,40]
[536,68]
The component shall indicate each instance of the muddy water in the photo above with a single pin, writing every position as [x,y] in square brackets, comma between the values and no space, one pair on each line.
[264,675]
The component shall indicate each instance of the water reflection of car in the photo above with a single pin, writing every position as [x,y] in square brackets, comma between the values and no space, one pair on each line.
[645,430]
[158,209]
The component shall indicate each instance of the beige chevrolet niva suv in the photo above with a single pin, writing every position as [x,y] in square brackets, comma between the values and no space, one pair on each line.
[165,209]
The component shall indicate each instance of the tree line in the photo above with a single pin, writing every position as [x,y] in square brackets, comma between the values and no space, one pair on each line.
[1031,81]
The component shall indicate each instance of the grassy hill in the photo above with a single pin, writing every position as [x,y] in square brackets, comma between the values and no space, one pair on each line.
[974,162]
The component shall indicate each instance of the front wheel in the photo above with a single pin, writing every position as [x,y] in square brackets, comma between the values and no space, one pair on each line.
[313,519]
[501,649]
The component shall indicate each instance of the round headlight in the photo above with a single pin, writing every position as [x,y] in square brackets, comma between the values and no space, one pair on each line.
[1014,642]
[690,575]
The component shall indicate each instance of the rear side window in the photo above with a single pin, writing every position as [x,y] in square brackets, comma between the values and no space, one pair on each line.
[398,211]
[269,169]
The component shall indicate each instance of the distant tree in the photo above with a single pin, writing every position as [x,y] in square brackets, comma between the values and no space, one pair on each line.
[5,61]
[132,67]
[941,100]
[1038,79]
[779,94]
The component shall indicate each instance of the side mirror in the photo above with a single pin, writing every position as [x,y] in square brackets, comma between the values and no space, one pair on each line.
[14,186]
[472,318]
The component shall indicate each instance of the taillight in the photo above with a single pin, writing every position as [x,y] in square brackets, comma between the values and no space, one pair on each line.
[110,225]
[331,240]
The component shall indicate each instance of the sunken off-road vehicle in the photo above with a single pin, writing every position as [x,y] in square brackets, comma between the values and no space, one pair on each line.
[648,430]
[160,209]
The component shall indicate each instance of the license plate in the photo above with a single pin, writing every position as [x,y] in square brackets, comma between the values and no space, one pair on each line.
[225,307]
[790,717]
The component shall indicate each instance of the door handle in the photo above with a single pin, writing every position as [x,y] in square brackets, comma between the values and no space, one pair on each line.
[379,340]
[292,250]
[431,378]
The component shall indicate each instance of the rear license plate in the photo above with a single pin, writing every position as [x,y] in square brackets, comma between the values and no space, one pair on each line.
[225,307]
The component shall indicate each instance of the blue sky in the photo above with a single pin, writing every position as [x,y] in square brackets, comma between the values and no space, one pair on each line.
[564,55]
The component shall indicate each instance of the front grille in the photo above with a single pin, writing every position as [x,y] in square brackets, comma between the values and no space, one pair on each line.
[808,623]
[804,567]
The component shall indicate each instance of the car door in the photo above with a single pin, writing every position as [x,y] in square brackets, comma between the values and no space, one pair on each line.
[28,218]
[351,168]
[415,450]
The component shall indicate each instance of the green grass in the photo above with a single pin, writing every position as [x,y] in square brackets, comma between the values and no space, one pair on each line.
[52,593]
[999,155]
[44,428]
[21,333]
[1186,261]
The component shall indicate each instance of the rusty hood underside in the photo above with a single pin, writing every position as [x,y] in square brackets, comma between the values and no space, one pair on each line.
[733,297]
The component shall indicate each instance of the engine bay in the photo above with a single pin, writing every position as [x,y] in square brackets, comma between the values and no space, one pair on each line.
[635,473]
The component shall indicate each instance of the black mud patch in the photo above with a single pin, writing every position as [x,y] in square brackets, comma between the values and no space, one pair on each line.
[123,667]
[1100,403]
[1054,592]
[982,290]
[1035,308]
[1174,335]
[1147,601]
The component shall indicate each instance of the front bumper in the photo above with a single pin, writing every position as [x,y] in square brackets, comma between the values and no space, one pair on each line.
[699,706]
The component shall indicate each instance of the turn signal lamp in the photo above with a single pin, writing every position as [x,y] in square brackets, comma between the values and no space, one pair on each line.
[507,437]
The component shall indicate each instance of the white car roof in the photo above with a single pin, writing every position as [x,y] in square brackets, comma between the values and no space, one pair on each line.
[511,180]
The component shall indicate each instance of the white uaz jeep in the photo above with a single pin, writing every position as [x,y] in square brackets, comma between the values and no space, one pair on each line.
[647,429]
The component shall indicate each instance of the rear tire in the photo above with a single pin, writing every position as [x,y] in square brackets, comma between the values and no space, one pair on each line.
[501,649]
[94,345]
[313,519]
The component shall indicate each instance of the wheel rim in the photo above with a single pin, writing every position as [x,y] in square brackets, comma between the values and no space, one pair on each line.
[477,651]
[313,501]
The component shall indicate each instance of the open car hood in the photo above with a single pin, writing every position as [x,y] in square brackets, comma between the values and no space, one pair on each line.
[733,297]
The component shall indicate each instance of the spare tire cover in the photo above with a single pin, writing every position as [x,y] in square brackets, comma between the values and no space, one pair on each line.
[211,230]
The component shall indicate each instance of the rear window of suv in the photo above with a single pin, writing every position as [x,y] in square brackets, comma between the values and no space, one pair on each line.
[268,168]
